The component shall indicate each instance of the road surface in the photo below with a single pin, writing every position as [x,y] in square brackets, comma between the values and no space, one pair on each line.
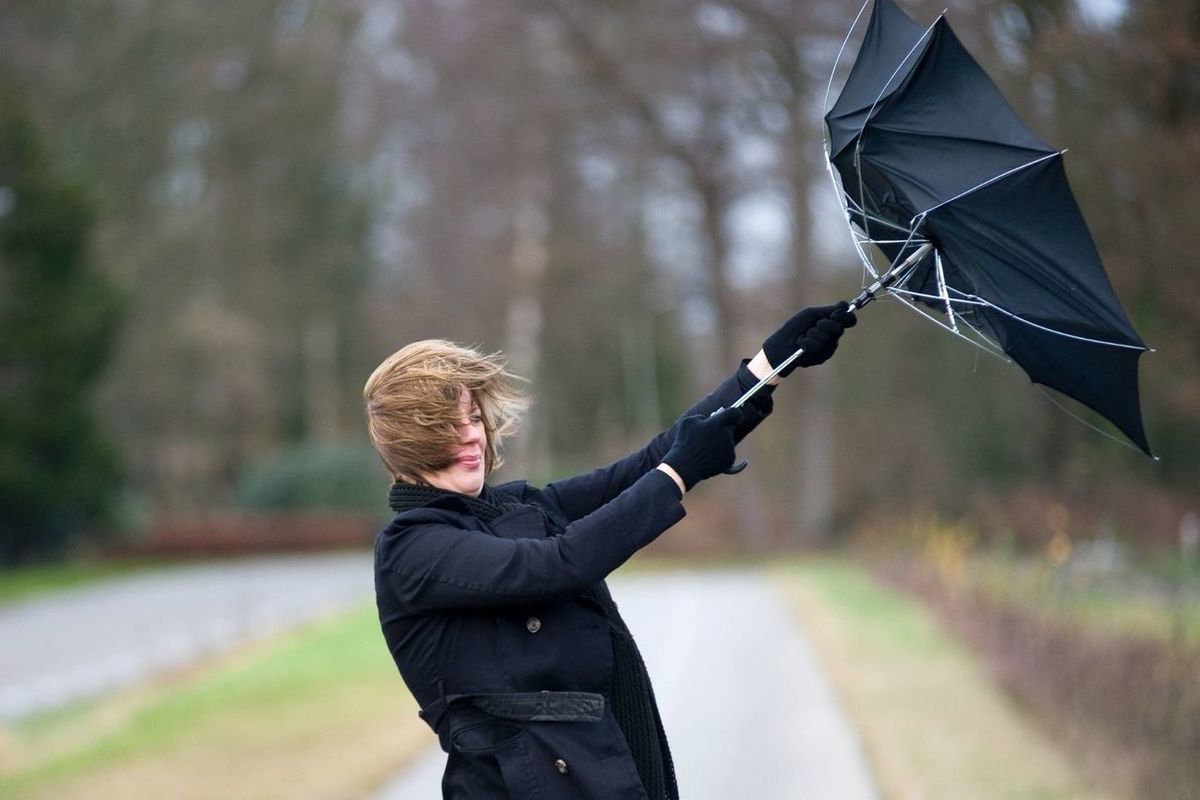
[747,709]
[84,642]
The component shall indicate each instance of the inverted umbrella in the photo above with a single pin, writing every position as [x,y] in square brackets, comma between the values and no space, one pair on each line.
[975,214]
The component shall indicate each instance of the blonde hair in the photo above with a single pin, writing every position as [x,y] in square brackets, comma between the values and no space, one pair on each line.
[412,405]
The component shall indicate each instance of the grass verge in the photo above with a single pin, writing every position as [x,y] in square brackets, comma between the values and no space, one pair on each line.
[1125,699]
[1138,604]
[25,582]
[932,723]
[316,713]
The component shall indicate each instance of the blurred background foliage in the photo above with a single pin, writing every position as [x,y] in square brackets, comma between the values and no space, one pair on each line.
[58,318]
[215,221]
[312,475]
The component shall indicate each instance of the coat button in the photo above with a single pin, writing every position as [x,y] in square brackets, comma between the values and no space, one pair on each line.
[533,624]
[561,766]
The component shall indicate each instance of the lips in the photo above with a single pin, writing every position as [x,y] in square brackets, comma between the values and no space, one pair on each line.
[471,461]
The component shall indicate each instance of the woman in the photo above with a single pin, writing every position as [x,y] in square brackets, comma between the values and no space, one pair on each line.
[492,598]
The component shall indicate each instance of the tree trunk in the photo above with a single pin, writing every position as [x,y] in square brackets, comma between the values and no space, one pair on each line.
[813,445]
[524,318]
[715,210]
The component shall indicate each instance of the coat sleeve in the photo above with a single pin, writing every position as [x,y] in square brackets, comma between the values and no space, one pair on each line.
[584,493]
[439,566]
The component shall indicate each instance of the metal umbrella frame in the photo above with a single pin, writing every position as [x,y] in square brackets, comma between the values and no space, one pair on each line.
[927,157]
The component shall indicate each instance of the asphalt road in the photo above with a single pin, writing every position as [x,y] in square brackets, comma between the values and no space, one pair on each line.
[84,642]
[747,709]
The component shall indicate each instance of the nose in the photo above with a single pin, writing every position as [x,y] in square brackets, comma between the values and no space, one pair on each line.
[469,432]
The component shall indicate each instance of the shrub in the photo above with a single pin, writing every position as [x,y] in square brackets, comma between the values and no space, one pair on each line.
[314,476]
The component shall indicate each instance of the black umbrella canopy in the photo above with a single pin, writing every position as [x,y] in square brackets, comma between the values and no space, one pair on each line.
[928,149]
[885,57]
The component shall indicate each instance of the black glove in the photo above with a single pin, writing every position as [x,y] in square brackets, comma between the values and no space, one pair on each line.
[815,329]
[703,446]
[752,416]
[757,408]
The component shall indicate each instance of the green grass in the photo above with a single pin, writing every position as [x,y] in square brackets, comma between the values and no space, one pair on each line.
[932,722]
[278,700]
[1134,602]
[26,582]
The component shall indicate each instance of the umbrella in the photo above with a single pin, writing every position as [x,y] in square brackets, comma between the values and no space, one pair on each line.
[975,216]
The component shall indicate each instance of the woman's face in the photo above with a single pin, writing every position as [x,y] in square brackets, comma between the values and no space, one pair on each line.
[466,474]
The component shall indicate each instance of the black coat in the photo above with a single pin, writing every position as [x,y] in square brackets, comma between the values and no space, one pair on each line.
[499,628]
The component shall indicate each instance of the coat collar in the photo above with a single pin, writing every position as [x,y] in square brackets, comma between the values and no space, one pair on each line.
[489,505]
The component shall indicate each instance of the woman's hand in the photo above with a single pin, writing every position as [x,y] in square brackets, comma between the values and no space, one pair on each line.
[703,446]
[816,330]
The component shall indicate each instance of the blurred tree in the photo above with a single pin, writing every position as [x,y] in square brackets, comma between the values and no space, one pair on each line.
[622,196]
[722,93]
[228,211]
[58,320]
[513,218]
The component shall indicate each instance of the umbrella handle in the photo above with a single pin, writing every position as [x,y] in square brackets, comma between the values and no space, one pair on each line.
[739,466]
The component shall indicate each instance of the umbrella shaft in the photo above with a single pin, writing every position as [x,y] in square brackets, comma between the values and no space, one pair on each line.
[888,278]
[741,401]
[868,294]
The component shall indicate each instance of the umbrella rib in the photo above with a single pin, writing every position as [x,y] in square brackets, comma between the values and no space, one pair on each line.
[895,241]
[1058,282]
[836,61]
[1049,396]
[973,299]
[945,296]
[981,340]
[861,187]
[1000,354]
[866,238]
[866,234]
[884,222]
[862,131]
[994,350]
[988,182]
[904,130]
[938,297]
[981,301]
[840,191]
[987,345]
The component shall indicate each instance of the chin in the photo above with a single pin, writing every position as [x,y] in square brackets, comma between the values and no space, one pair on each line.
[470,484]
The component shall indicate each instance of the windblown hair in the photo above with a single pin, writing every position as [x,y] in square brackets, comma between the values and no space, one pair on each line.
[412,405]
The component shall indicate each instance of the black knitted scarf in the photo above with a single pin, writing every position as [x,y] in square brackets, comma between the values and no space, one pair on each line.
[489,505]
[633,703]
